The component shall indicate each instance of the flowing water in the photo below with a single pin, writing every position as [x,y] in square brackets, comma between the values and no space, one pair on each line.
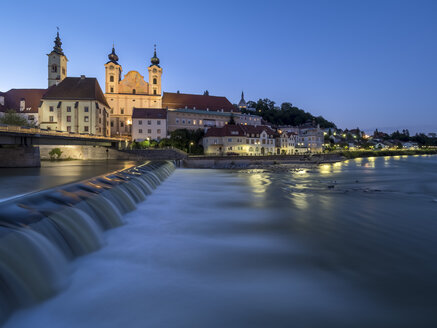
[349,244]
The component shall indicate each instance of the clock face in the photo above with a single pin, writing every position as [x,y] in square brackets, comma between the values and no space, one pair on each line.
[111,67]
[154,70]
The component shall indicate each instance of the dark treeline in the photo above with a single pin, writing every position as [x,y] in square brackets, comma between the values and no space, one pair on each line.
[421,138]
[286,114]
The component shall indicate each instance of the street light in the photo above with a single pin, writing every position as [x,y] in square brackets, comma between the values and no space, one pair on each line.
[189,147]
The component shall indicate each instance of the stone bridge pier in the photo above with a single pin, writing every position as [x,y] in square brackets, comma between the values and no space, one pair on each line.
[19,156]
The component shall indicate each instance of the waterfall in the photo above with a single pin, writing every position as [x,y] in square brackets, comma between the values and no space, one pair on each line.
[41,232]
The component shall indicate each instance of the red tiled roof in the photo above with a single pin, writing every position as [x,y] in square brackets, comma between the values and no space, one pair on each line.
[182,100]
[156,113]
[77,88]
[31,97]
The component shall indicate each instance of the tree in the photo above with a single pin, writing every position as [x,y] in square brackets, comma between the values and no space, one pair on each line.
[55,153]
[11,117]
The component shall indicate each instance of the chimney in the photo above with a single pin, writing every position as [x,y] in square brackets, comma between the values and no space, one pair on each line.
[22,104]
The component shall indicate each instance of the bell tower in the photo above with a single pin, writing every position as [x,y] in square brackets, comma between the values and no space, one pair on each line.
[155,73]
[112,73]
[57,63]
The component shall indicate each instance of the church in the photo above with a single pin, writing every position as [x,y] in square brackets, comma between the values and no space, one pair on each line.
[131,91]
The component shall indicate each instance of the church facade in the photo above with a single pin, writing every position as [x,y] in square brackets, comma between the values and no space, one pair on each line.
[123,94]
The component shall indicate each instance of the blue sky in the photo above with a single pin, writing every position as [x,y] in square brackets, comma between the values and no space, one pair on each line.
[358,63]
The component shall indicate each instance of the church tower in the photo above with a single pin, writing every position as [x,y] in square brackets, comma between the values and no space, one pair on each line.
[57,68]
[242,104]
[155,72]
[112,73]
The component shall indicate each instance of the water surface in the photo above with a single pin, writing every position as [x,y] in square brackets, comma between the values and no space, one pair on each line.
[344,245]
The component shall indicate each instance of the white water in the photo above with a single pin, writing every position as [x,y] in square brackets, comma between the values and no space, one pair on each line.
[182,260]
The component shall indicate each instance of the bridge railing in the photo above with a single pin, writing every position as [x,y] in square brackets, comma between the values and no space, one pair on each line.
[28,130]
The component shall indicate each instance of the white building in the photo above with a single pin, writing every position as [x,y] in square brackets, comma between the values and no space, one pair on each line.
[76,104]
[286,143]
[239,140]
[309,137]
[149,124]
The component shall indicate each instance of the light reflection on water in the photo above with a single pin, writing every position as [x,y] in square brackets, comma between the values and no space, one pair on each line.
[342,245]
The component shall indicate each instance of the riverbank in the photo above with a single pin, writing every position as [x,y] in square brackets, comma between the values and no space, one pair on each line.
[381,153]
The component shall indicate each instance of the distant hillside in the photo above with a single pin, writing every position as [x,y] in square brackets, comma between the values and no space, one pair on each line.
[287,114]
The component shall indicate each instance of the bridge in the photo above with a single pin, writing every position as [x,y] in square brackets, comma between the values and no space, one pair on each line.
[19,146]
[27,137]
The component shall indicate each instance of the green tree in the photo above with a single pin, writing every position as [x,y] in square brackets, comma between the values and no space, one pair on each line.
[232,120]
[55,153]
[11,117]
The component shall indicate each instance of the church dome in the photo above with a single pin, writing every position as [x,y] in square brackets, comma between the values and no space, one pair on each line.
[113,56]
[154,60]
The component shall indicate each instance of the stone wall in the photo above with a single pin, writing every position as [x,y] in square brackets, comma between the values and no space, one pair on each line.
[99,153]
[223,162]
[19,157]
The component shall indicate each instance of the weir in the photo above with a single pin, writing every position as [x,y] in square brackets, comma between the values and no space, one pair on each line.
[41,232]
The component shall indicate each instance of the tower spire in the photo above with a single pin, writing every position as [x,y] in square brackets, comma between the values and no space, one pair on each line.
[113,56]
[58,44]
[155,59]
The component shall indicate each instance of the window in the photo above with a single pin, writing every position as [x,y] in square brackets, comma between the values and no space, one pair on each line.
[85,128]
[149,131]
[112,111]
[189,121]
[194,122]
[52,108]
[68,118]
[158,131]
[111,78]
[149,122]
[183,121]
[112,90]
[86,109]
[68,108]
[86,119]
[30,117]
[140,131]
[68,128]
[100,120]
[177,121]
[154,91]
[122,111]
[200,122]
[155,81]
[54,68]
[63,70]
[51,118]
[229,139]
[121,124]
[134,91]
[140,122]
[158,122]
[112,124]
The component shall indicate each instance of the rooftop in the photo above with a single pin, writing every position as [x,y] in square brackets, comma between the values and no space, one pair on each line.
[13,97]
[154,113]
[202,102]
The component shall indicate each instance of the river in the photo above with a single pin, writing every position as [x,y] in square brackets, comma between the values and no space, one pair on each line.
[19,181]
[350,244]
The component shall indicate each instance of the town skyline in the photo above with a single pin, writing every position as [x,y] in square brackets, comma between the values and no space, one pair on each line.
[349,99]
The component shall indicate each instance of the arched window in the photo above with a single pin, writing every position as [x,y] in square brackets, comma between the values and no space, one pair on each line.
[111,78]
[154,91]
[134,91]
[54,68]
[155,81]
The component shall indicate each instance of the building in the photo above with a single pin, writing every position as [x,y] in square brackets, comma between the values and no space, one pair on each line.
[193,119]
[239,140]
[309,137]
[286,143]
[131,91]
[149,124]
[57,63]
[24,102]
[76,104]
[173,101]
